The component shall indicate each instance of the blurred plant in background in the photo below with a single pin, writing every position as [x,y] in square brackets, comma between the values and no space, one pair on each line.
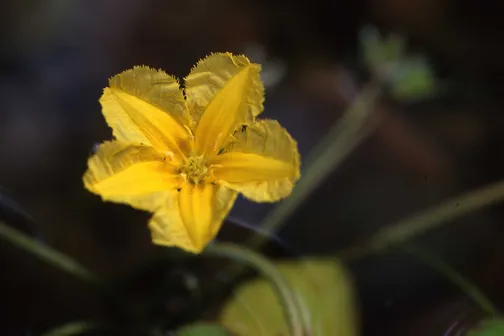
[307,295]
[410,78]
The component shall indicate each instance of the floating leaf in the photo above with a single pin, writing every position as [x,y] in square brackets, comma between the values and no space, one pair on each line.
[323,291]
[202,329]
[494,327]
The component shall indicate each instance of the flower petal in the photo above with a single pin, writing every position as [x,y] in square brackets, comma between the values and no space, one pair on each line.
[135,175]
[143,105]
[223,91]
[262,162]
[193,218]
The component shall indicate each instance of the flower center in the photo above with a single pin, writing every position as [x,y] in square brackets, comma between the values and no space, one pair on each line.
[194,169]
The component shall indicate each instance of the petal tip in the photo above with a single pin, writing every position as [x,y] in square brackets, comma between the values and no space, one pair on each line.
[140,69]
[238,60]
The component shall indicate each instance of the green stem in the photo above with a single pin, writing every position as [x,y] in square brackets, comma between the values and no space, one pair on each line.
[355,125]
[455,277]
[45,253]
[427,220]
[285,293]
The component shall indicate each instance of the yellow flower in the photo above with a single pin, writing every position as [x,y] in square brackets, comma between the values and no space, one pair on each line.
[185,158]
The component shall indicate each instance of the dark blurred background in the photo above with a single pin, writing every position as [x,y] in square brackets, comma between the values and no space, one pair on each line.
[56,57]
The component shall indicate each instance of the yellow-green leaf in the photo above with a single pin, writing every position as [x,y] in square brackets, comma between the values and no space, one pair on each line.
[324,292]
[202,329]
[493,327]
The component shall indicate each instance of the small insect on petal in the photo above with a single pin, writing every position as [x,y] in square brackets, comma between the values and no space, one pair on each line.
[94,149]
[169,155]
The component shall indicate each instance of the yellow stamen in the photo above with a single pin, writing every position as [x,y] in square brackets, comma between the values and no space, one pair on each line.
[194,169]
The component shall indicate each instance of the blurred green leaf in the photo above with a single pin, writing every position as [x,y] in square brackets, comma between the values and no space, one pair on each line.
[492,327]
[394,47]
[202,329]
[370,43]
[322,289]
[409,77]
[414,80]
[378,51]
